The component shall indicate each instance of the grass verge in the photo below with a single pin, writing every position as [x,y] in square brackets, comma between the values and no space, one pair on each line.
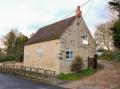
[118,87]
[77,76]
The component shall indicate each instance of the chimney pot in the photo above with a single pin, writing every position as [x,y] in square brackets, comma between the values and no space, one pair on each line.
[78,12]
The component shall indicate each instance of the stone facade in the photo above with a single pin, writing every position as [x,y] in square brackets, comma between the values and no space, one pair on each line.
[48,60]
[72,40]
[52,54]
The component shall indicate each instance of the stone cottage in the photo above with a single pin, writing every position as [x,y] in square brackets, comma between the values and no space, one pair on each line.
[55,46]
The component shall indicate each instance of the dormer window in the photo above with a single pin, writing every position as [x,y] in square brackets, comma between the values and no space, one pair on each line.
[85,39]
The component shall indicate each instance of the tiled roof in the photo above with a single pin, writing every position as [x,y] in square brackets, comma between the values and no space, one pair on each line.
[51,32]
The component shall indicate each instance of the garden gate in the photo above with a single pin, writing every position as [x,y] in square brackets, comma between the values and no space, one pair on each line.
[92,62]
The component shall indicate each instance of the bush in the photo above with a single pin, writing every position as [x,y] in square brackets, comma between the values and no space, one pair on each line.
[19,56]
[77,65]
[4,58]
[107,56]
[110,56]
[117,56]
[12,57]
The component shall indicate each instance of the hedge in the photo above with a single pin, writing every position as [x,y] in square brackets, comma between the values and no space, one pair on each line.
[12,57]
[110,56]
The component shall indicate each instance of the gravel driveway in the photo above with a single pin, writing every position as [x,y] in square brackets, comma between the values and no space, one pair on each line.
[107,78]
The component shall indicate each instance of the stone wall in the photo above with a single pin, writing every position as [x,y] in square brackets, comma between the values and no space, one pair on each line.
[54,51]
[49,59]
[72,39]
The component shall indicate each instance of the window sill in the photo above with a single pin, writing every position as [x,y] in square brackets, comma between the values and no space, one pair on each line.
[69,59]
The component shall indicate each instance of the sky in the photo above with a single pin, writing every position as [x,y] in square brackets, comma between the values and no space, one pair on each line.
[29,15]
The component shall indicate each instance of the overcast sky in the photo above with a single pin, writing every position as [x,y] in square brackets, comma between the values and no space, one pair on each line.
[29,15]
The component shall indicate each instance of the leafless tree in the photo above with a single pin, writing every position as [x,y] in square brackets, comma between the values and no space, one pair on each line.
[103,36]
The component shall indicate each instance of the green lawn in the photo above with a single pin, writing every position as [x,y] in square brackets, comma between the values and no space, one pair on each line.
[77,76]
[118,87]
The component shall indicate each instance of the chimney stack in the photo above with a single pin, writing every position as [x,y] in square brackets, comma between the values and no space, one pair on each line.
[78,12]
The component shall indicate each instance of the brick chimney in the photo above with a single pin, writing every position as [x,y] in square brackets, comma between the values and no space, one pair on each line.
[78,12]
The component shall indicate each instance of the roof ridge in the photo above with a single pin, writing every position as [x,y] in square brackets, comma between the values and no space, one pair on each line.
[57,21]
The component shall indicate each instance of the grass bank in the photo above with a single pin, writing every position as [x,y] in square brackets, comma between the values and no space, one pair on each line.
[77,76]
[118,87]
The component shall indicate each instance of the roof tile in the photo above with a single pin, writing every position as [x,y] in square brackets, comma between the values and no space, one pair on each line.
[51,32]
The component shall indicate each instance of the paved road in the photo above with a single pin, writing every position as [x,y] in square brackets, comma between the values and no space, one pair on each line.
[14,82]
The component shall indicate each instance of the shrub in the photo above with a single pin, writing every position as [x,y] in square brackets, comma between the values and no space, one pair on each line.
[110,56]
[107,56]
[19,56]
[12,57]
[9,57]
[77,65]
[117,56]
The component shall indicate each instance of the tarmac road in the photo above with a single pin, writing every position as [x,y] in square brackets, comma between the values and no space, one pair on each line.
[8,81]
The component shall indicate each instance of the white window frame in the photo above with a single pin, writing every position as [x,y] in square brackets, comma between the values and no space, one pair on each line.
[39,53]
[85,40]
[27,56]
[70,54]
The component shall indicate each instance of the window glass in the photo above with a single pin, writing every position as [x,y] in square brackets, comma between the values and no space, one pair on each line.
[85,39]
[69,55]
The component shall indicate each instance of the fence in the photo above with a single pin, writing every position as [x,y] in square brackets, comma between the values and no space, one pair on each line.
[28,71]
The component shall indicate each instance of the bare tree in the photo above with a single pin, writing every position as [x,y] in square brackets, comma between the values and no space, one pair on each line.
[103,36]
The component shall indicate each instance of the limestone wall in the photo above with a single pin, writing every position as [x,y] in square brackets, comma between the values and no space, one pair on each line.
[72,39]
[49,59]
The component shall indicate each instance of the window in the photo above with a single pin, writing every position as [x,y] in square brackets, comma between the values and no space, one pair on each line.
[27,56]
[69,55]
[39,53]
[85,39]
